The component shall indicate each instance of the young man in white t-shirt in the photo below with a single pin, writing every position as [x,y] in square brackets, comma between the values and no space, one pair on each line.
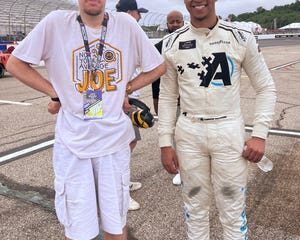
[90,56]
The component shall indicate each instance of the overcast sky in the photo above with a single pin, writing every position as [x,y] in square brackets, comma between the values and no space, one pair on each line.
[224,7]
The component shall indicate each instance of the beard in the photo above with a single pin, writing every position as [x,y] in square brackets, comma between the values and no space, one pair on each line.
[92,12]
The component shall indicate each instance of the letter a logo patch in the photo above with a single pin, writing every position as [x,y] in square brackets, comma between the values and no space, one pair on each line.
[217,70]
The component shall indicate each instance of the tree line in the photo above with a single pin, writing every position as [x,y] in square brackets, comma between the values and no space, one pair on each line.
[277,17]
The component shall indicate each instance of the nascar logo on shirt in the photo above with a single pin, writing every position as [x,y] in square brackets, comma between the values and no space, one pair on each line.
[107,74]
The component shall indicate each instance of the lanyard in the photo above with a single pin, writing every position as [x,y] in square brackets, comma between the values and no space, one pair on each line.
[86,41]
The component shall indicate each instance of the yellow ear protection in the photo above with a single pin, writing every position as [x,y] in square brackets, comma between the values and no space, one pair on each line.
[141,118]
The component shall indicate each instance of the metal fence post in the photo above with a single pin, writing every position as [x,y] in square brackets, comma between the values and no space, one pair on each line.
[9,19]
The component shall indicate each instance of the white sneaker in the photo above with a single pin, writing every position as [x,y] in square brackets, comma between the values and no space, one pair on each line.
[133,205]
[133,186]
[177,179]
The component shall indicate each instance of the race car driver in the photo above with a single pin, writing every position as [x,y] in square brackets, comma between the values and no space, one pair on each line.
[204,66]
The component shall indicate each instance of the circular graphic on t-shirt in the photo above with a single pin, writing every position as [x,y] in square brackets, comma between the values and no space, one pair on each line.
[109,56]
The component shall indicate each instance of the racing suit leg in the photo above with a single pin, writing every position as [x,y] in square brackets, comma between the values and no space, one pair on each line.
[210,152]
[194,162]
[229,176]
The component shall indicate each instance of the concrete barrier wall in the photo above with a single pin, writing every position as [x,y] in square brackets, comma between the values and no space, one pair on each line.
[266,36]
[259,37]
[292,35]
[263,36]
[279,35]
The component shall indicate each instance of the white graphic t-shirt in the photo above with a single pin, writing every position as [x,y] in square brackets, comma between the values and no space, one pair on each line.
[57,40]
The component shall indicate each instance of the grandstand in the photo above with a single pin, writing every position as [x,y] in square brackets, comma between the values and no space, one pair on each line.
[18,17]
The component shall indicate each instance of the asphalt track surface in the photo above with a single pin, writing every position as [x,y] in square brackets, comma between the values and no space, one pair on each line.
[26,182]
[279,42]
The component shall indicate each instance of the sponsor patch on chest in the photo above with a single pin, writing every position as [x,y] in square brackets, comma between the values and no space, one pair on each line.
[187,45]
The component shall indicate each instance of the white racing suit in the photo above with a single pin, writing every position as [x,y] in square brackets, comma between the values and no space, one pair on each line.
[204,68]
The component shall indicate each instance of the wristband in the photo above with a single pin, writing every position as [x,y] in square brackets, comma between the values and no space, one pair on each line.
[128,88]
[55,99]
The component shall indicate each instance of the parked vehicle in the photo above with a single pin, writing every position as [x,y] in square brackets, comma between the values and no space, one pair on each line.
[4,56]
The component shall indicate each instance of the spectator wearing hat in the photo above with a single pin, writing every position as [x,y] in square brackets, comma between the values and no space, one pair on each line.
[131,7]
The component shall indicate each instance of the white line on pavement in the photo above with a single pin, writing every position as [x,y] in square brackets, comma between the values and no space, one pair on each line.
[25,151]
[16,103]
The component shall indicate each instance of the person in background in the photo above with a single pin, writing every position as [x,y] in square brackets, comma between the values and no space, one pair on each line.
[174,22]
[131,7]
[90,57]
[205,60]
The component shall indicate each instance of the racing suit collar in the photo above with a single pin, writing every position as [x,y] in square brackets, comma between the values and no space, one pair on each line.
[205,31]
